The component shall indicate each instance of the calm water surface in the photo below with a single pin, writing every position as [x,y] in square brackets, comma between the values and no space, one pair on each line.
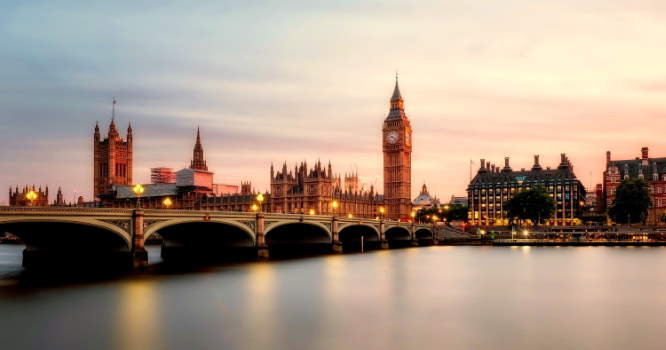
[419,298]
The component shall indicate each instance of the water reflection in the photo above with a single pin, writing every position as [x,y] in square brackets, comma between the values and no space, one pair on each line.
[423,298]
[138,317]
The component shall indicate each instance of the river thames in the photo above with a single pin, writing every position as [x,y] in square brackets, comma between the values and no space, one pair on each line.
[418,298]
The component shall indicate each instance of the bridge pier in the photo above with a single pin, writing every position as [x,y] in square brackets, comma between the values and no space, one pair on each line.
[139,253]
[336,244]
[260,226]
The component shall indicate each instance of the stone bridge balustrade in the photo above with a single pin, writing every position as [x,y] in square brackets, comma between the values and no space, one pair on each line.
[196,233]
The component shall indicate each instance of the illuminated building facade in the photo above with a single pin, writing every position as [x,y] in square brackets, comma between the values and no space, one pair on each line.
[493,186]
[305,190]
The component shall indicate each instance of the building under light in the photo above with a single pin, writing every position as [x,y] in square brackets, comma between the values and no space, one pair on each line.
[493,186]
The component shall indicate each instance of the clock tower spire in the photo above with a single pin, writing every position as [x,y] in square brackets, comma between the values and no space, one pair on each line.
[397,147]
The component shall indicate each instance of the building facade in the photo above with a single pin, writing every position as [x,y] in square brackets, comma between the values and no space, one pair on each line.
[493,186]
[20,198]
[315,190]
[112,159]
[652,170]
[397,148]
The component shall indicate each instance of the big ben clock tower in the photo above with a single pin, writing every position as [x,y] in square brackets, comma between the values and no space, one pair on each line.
[397,146]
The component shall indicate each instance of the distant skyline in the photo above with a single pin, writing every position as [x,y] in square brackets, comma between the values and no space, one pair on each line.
[304,80]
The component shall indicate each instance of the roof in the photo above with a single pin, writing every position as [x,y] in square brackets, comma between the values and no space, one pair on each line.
[490,178]
[632,166]
[424,199]
[396,91]
[151,190]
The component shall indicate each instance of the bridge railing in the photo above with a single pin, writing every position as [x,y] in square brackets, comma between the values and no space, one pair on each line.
[65,210]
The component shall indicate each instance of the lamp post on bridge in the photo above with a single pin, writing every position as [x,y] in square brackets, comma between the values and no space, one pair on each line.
[138,191]
[260,199]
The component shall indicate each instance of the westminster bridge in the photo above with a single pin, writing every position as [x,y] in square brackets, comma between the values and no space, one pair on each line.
[111,236]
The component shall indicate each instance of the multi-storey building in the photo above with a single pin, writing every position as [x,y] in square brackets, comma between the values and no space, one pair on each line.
[397,147]
[112,159]
[492,187]
[652,170]
[317,189]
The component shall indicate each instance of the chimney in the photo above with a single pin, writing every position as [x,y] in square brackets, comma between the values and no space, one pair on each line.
[507,167]
[644,153]
[536,165]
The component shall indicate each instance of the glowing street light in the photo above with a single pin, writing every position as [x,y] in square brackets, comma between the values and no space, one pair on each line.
[350,215]
[31,196]
[526,233]
[167,202]
[254,207]
[138,191]
[260,199]
[311,212]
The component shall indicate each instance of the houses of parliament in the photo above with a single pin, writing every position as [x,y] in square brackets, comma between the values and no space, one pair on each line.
[298,190]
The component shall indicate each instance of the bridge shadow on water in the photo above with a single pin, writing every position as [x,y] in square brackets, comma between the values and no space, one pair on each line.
[22,282]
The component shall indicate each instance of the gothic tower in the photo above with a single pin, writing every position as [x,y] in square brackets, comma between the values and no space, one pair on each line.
[397,146]
[198,161]
[112,158]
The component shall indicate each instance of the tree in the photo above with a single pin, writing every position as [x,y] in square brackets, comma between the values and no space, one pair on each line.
[451,212]
[631,202]
[534,204]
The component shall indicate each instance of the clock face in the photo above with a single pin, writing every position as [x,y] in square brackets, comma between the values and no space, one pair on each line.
[392,137]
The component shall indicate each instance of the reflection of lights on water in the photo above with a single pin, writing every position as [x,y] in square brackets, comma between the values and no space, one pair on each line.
[138,316]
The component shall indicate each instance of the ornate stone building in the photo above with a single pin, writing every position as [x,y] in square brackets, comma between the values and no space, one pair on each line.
[492,187]
[652,170]
[424,200]
[112,159]
[316,189]
[397,147]
[20,198]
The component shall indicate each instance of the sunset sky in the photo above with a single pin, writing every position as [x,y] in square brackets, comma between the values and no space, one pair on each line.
[307,80]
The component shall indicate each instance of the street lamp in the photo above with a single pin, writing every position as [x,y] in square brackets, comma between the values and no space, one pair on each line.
[167,202]
[138,191]
[334,204]
[381,213]
[260,199]
[311,212]
[31,196]
[254,207]
[413,216]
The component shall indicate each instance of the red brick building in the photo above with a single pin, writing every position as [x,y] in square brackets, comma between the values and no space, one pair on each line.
[652,170]
[112,159]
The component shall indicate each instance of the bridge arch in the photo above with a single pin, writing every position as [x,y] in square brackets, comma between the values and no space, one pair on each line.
[24,227]
[196,240]
[306,237]
[398,236]
[156,227]
[423,233]
[77,243]
[350,237]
